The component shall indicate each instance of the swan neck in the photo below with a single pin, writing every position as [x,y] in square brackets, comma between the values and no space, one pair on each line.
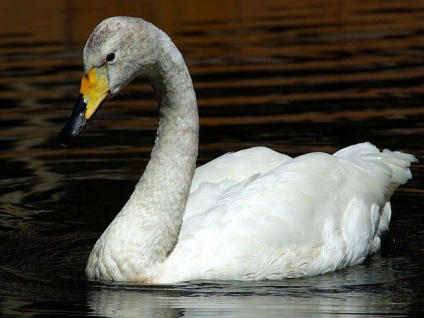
[145,232]
[163,190]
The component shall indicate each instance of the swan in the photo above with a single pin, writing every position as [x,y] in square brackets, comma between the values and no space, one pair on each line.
[254,214]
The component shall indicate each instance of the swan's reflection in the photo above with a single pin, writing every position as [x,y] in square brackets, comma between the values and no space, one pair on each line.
[359,290]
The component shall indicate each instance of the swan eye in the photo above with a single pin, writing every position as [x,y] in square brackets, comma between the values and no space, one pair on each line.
[110,57]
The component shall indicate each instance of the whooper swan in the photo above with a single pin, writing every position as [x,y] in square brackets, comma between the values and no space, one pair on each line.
[250,215]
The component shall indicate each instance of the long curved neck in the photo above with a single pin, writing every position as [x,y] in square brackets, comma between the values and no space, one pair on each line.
[146,230]
[173,158]
[161,195]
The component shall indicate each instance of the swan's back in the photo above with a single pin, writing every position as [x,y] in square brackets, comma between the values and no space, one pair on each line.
[303,216]
[238,166]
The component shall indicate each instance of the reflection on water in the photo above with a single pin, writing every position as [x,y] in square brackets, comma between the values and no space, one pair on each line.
[295,76]
[363,291]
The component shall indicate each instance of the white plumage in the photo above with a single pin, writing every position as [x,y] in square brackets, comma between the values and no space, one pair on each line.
[249,215]
[289,217]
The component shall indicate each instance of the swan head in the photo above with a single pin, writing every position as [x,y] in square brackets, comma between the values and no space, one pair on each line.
[119,49]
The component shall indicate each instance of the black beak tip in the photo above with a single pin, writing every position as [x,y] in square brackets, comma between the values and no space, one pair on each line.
[76,123]
[64,137]
[72,129]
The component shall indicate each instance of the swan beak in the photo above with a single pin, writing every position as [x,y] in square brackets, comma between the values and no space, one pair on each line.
[93,93]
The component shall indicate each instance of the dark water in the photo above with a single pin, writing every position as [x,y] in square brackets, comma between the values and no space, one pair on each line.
[297,76]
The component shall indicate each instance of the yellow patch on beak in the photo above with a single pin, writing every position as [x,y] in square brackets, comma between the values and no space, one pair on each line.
[95,89]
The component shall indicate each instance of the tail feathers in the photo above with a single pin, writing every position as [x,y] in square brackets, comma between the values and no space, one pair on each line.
[400,163]
[394,164]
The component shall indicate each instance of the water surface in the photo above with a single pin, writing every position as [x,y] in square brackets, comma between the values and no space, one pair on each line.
[294,76]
